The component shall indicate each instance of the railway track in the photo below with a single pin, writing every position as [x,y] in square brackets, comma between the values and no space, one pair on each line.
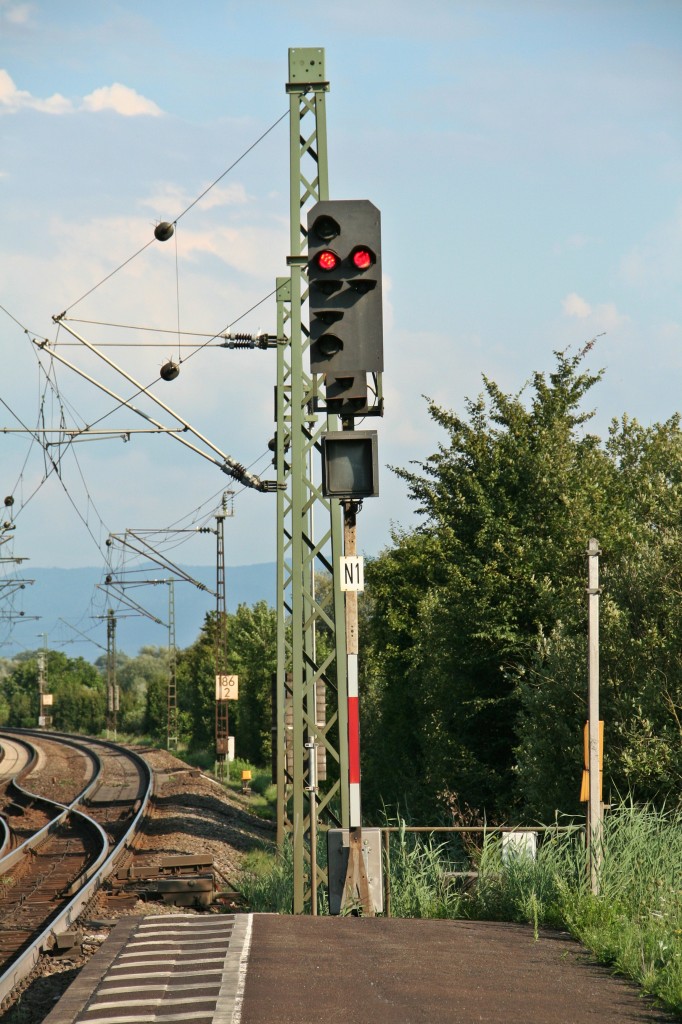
[69,814]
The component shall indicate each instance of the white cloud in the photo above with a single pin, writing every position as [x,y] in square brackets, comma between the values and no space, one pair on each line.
[603,317]
[574,305]
[607,317]
[13,99]
[249,249]
[572,243]
[119,98]
[122,100]
[17,14]
[170,200]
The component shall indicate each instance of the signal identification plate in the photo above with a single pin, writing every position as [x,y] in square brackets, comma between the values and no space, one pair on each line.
[352,572]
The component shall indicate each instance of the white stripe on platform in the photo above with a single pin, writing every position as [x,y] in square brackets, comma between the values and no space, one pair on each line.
[187,926]
[168,1018]
[167,987]
[243,965]
[153,963]
[176,947]
[164,974]
[163,1000]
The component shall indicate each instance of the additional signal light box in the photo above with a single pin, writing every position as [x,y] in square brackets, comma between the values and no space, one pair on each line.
[350,464]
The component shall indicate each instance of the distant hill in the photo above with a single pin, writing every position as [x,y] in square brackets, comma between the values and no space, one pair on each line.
[71,595]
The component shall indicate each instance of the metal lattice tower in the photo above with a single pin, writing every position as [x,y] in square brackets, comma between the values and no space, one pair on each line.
[112,687]
[172,713]
[222,726]
[309,528]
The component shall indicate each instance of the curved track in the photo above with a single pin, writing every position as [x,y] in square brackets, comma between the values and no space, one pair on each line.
[62,848]
[14,757]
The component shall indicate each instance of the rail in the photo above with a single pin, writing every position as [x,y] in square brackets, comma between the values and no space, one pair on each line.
[5,831]
[93,877]
[35,840]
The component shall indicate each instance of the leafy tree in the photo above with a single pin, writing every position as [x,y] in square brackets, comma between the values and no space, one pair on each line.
[155,721]
[640,638]
[136,678]
[475,675]
[76,686]
[253,657]
[196,685]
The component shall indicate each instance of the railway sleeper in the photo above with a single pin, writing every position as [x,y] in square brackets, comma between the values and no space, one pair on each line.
[192,891]
[58,943]
[166,866]
[183,881]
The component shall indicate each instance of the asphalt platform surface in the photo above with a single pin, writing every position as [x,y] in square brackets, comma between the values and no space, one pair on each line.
[304,970]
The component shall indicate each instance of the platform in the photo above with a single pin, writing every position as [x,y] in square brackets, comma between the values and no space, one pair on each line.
[270,969]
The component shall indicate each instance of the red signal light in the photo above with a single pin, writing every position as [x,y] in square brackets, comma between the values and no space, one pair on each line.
[327,260]
[362,258]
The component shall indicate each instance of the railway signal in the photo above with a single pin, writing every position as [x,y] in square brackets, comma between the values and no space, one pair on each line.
[345,299]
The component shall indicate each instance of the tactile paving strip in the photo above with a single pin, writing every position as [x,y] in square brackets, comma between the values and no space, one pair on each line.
[170,967]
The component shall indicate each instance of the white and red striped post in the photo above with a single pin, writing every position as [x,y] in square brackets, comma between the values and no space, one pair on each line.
[353,741]
[350,551]
[357,882]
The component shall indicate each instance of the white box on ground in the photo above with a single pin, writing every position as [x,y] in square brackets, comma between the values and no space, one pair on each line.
[519,844]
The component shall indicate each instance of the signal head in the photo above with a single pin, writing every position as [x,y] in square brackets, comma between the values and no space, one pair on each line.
[326,228]
[327,260]
[362,257]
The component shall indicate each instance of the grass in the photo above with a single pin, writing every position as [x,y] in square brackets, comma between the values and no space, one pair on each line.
[267,880]
[634,925]
[262,798]
[419,883]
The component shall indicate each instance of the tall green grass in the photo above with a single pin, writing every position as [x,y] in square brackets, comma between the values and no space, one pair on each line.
[419,884]
[267,880]
[635,924]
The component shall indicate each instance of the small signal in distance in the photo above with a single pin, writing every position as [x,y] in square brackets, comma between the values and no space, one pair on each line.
[327,260]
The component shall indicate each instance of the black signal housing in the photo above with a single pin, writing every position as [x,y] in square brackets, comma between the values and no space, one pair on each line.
[345,298]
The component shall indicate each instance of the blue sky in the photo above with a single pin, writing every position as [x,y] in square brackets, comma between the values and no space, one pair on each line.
[526,158]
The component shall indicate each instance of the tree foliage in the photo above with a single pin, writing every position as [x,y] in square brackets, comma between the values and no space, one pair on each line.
[252,655]
[79,688]
[76,686]
[475,654]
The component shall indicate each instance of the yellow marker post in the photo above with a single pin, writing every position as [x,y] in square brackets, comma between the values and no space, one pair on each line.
[585,786]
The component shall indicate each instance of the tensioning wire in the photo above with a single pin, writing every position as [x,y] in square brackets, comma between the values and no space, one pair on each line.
[180,215]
